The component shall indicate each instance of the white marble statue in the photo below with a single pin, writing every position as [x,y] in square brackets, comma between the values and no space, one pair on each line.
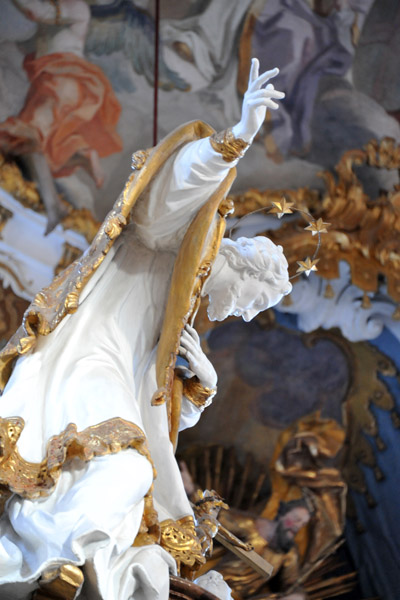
[213,582]
[99,364]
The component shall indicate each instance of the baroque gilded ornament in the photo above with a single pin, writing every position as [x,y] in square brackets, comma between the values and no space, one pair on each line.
[13,181]
[363,231]
[229,146]
[32,480]
[180,539]
[367,390]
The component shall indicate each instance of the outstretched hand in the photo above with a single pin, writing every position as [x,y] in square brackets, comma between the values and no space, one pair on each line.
[199,364]
[256,101]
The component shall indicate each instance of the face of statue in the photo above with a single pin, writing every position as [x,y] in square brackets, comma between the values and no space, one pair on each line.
[253,297]
[240,296]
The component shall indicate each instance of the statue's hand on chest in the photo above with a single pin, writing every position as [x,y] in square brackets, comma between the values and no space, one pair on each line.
[191,350]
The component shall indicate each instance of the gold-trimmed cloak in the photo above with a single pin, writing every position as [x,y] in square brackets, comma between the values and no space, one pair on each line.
[192,266]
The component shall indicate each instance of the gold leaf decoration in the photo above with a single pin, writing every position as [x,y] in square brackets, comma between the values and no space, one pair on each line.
[308,265]
[282,207]
[318,226]
[364,231]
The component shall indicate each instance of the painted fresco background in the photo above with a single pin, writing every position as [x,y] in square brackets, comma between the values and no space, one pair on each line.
[336,60]
[339,68]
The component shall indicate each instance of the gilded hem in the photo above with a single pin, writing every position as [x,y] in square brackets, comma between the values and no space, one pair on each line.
[33,480]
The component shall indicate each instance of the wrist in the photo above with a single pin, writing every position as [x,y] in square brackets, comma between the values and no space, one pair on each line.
[240,132]
[228,145]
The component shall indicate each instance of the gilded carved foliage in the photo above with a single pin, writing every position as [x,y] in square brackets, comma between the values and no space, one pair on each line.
[364,232]
[13,181]
[367,390]
[180,540]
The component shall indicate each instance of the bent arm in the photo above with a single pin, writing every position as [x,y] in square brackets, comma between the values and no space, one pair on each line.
[190,177]
[211,158]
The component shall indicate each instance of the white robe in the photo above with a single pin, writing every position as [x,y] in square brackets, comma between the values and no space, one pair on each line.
[99,364]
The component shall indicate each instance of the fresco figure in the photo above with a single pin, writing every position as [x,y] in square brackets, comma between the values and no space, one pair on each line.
[93,405]
[274,541]
[308,47]
[70,114]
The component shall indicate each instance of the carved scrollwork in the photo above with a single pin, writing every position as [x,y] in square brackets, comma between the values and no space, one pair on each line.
[364,232]
[32,480]
[179,538]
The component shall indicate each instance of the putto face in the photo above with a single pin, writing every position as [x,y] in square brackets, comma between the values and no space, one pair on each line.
[244,298]
[252,298]
[249,276]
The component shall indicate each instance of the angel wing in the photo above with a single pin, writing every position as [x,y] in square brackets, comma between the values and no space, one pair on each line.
[121,26]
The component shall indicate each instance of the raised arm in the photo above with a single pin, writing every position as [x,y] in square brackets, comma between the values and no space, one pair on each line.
[256,101]
[191,176]
[212,157]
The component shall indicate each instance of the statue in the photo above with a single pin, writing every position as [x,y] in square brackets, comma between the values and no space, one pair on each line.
[93,405]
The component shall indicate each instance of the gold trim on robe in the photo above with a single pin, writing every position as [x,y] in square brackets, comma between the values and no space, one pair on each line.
[33,480]
[192,267]
[193,264]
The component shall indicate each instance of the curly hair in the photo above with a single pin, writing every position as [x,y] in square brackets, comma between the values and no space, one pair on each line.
[258,257]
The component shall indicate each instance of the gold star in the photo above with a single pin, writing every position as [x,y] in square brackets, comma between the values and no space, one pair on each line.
[317,227]
[306,266]
[281,207]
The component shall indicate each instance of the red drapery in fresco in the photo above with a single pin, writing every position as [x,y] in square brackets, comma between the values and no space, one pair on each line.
[70,110]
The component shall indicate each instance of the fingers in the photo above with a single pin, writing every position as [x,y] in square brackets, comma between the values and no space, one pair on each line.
[193,333]
[188,355]
[264,102]
[266,93]
[255,66]
[262,79]
[188,341]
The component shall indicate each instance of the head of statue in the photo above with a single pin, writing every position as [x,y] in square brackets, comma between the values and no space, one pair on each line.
[214,582]
[290,518]
[249,275]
